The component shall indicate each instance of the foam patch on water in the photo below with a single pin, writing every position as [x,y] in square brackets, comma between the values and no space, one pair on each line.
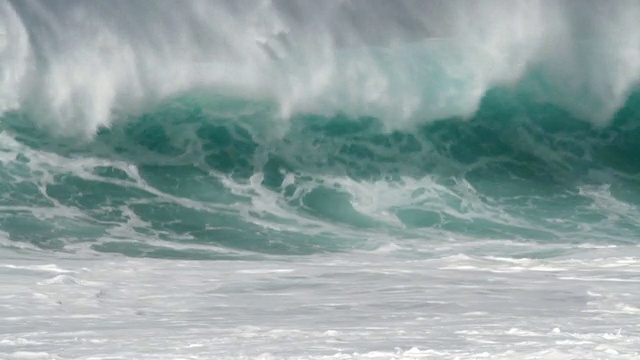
[350,306]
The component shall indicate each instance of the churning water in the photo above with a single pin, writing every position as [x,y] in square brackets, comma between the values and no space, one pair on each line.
[319,179]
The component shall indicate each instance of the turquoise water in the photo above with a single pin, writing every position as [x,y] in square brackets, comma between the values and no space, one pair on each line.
[192,171]
[374,179]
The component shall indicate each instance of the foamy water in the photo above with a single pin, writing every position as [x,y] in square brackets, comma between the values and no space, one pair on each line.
[319,180]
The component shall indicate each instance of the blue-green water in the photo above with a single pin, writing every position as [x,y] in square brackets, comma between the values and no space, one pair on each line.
[362,179]
[201,171]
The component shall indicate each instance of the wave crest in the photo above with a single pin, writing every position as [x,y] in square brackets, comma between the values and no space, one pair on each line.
[73,65]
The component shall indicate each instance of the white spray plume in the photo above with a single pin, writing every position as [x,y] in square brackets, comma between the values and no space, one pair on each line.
[73,63]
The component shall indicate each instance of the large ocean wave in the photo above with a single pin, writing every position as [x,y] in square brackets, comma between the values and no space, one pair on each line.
[210,129]
[188,174]
[337,179]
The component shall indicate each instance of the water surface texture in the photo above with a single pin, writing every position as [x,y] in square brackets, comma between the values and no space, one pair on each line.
[319,179]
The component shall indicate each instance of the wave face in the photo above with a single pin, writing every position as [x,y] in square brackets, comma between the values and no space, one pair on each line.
[338,179]
[214,129]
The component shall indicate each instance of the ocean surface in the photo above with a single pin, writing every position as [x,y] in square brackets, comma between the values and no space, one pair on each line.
[319,179]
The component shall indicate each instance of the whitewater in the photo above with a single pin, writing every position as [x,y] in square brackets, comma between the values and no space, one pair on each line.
[345,179]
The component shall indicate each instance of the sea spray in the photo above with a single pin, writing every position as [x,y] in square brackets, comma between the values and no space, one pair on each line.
[77,65]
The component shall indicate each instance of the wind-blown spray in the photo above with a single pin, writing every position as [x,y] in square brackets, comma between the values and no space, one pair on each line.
[75,63]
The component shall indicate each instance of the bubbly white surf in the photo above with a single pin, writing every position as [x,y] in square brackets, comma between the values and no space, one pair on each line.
[267,179]
[75,63]
[380,305]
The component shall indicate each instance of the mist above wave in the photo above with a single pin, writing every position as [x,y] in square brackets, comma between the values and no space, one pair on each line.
[74,64]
